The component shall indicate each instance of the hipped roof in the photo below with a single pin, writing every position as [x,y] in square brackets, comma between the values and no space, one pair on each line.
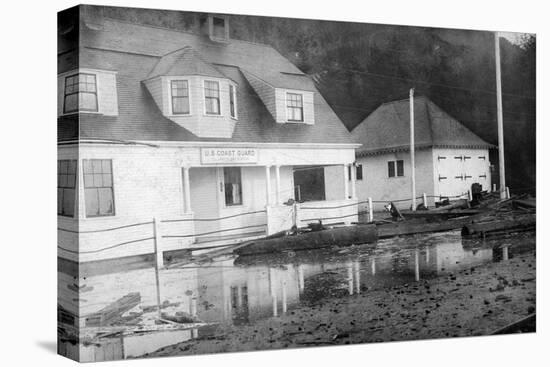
[388,128]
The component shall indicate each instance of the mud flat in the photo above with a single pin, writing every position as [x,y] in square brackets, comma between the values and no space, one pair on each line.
[470,302]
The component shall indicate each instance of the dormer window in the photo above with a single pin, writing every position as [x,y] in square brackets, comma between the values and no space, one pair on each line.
[211,97]
[180,97]
[218,27]
[294,107]
[80,93]
[232,101]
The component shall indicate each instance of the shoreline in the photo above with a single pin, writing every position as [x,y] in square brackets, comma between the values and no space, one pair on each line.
[471,302]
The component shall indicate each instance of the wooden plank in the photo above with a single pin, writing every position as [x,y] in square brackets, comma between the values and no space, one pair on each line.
[499,225]
[114,310]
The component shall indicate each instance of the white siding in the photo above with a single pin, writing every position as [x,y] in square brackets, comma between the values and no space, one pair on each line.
[334,183]
[377,185]
[429,167]
[148,184]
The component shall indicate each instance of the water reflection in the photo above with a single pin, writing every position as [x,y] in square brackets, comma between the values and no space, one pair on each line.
[239,291]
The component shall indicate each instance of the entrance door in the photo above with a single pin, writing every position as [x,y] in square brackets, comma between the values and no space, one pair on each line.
[309,184]
[204,198]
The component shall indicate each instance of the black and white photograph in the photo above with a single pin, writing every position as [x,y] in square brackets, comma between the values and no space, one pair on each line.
[232,183]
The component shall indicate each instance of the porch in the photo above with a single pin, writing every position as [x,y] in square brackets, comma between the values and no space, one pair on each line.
[259,204]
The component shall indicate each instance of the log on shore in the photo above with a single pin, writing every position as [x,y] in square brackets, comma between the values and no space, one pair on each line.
[499,226]
[441,215]
[410,228]
[341,236]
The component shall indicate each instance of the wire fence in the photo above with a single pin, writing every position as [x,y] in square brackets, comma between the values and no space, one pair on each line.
[154,236]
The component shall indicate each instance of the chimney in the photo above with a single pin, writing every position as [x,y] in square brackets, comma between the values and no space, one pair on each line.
[216,27]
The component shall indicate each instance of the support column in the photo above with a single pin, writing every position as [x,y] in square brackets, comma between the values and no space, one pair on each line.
[186,189]
[277,185]
[268,185]
[346,188]
[353,170]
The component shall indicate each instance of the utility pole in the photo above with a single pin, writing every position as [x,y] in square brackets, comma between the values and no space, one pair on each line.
[502,177]
[413,179]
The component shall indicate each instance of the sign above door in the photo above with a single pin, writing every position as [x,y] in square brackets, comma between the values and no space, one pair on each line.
[228,155]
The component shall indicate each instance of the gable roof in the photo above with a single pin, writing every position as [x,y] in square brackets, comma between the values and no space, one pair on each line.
[185,61]
[138,52]
[387,129]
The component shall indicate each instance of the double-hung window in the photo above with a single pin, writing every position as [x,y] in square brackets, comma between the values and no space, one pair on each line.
[232,101]
[212,97]
[66,183]
[358,172]
[180,97]
[395,168]
[98,187]
[80,93]
[232,186]
[294,107]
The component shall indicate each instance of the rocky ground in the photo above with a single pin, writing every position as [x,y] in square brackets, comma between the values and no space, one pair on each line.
[475,301]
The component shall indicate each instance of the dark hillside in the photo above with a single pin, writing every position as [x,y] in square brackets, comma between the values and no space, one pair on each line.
[359,66]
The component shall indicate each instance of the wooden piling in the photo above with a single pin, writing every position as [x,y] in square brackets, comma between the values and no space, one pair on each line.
[371,210]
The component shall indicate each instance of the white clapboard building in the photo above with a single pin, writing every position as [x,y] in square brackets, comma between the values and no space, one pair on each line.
[188,139]
[449,157]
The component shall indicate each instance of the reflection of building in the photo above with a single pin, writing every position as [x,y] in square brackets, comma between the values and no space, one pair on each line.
[450,257]
[236,295]
[220,292]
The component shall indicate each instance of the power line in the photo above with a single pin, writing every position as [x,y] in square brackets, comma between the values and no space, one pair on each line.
[346,107]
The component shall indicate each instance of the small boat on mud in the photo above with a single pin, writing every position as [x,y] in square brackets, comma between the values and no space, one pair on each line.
[314,238]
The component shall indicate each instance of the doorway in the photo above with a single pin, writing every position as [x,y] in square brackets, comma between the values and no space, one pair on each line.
[309,184]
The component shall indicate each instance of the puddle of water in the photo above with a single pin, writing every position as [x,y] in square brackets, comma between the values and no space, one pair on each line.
[235,291]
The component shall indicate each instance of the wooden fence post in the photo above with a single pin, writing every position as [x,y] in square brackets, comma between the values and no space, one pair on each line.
[494,187]
[158,264]
[425,199]
[507,192]
[470,198]
[158,248]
